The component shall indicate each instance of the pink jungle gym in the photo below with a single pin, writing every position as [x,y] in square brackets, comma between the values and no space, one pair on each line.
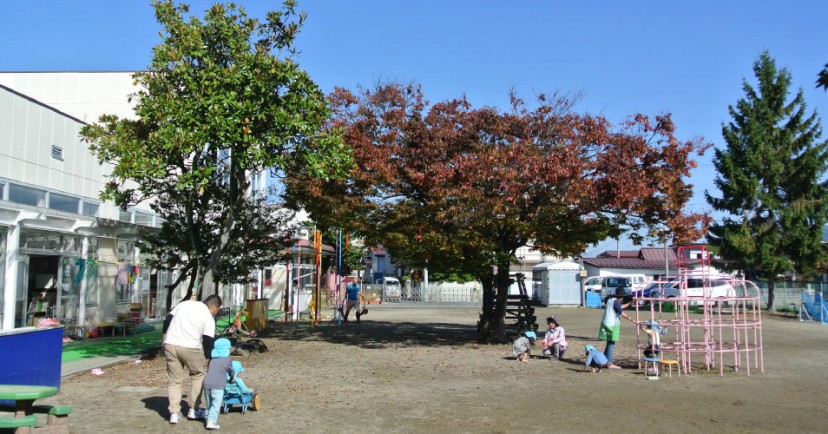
[704,329]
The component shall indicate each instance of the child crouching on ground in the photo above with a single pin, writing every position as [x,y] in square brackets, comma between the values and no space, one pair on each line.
[596,360]
[523,344]
[236,388]
[218,368]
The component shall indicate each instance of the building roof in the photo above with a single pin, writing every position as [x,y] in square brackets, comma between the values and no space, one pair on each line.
[628,263]
[646,257]
[657,254]
[619,254]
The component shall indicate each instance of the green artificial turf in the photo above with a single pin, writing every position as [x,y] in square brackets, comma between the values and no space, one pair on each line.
[117,346]
[148,336]
[132,344]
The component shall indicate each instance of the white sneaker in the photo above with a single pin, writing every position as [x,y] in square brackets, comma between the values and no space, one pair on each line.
[195,414]
[175,418]
[212,425]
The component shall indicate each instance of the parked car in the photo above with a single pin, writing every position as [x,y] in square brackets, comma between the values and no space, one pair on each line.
[639,281]
[391,288]
[611,284]
[593,283]
[715,286]
[596,283]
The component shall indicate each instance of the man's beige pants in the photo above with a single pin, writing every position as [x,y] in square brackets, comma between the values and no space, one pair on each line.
[179,361]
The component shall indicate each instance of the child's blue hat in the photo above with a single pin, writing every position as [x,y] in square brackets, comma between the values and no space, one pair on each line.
[531,335]
[588,348]
[221,348]
[237,367]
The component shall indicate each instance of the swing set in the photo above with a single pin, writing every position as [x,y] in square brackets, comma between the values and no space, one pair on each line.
[321,298]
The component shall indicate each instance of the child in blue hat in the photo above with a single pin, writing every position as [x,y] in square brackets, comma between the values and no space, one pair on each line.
[523,345]
[218,368]
[596,360]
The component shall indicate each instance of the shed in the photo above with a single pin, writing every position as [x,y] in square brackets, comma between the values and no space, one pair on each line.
[557,283]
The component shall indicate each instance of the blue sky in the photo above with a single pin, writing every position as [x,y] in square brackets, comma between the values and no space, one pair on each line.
[652,57]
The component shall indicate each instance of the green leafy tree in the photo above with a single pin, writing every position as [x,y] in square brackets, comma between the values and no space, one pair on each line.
[256,242]
[464,188]
[770,174]
[221,99]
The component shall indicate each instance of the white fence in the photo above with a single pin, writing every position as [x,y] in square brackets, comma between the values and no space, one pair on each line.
[451,294]
[435,293]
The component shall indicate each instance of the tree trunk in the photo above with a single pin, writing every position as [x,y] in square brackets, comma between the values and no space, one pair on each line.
[771,287]
[502,286]
[487,314]
[492,328]
[190,287]
[175,284]
[237,194]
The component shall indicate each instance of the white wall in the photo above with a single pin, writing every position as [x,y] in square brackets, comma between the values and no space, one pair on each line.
[28,131]
[83,95]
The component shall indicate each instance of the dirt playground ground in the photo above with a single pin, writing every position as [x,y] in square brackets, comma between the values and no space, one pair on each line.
[419,370]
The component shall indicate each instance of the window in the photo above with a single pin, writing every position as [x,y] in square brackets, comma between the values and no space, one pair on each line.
[90,209]
[32,239]
[61,202]
[125,216]
[143,218]
[57,152]
[26,195]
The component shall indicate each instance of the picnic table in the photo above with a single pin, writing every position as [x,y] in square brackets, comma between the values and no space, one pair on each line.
[24,421]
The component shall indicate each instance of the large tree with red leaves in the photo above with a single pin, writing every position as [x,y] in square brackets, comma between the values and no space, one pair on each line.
[449,184]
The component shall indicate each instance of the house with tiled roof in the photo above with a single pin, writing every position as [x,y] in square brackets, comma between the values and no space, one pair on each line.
[651,261]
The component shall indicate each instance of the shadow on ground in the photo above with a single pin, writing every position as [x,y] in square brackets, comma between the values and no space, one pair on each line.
[377,334]
[158,404]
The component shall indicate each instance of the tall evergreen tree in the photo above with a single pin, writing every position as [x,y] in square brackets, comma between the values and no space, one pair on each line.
[822,78]
[771,178]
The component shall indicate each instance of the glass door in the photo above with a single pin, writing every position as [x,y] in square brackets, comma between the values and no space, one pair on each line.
[67,303]
[20,308]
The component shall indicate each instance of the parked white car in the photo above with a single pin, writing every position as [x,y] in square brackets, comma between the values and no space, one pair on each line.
[391,289]
[696,287]
[596,283]
[593,283]
[639,281]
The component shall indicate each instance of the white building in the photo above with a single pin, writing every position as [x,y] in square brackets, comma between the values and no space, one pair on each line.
[64,253]
[57,239]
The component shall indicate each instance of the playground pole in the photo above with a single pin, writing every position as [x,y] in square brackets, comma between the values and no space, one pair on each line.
[338,319]
[317,245]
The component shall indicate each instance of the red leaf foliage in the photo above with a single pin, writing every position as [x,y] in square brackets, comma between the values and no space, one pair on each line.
[450,176]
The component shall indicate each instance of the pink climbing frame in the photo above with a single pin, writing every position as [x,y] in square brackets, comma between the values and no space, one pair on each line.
[705,329]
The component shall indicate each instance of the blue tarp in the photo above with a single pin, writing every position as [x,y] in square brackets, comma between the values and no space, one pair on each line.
[593,299]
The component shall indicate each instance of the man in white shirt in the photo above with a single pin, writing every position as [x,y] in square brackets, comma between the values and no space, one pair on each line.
[189,333]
